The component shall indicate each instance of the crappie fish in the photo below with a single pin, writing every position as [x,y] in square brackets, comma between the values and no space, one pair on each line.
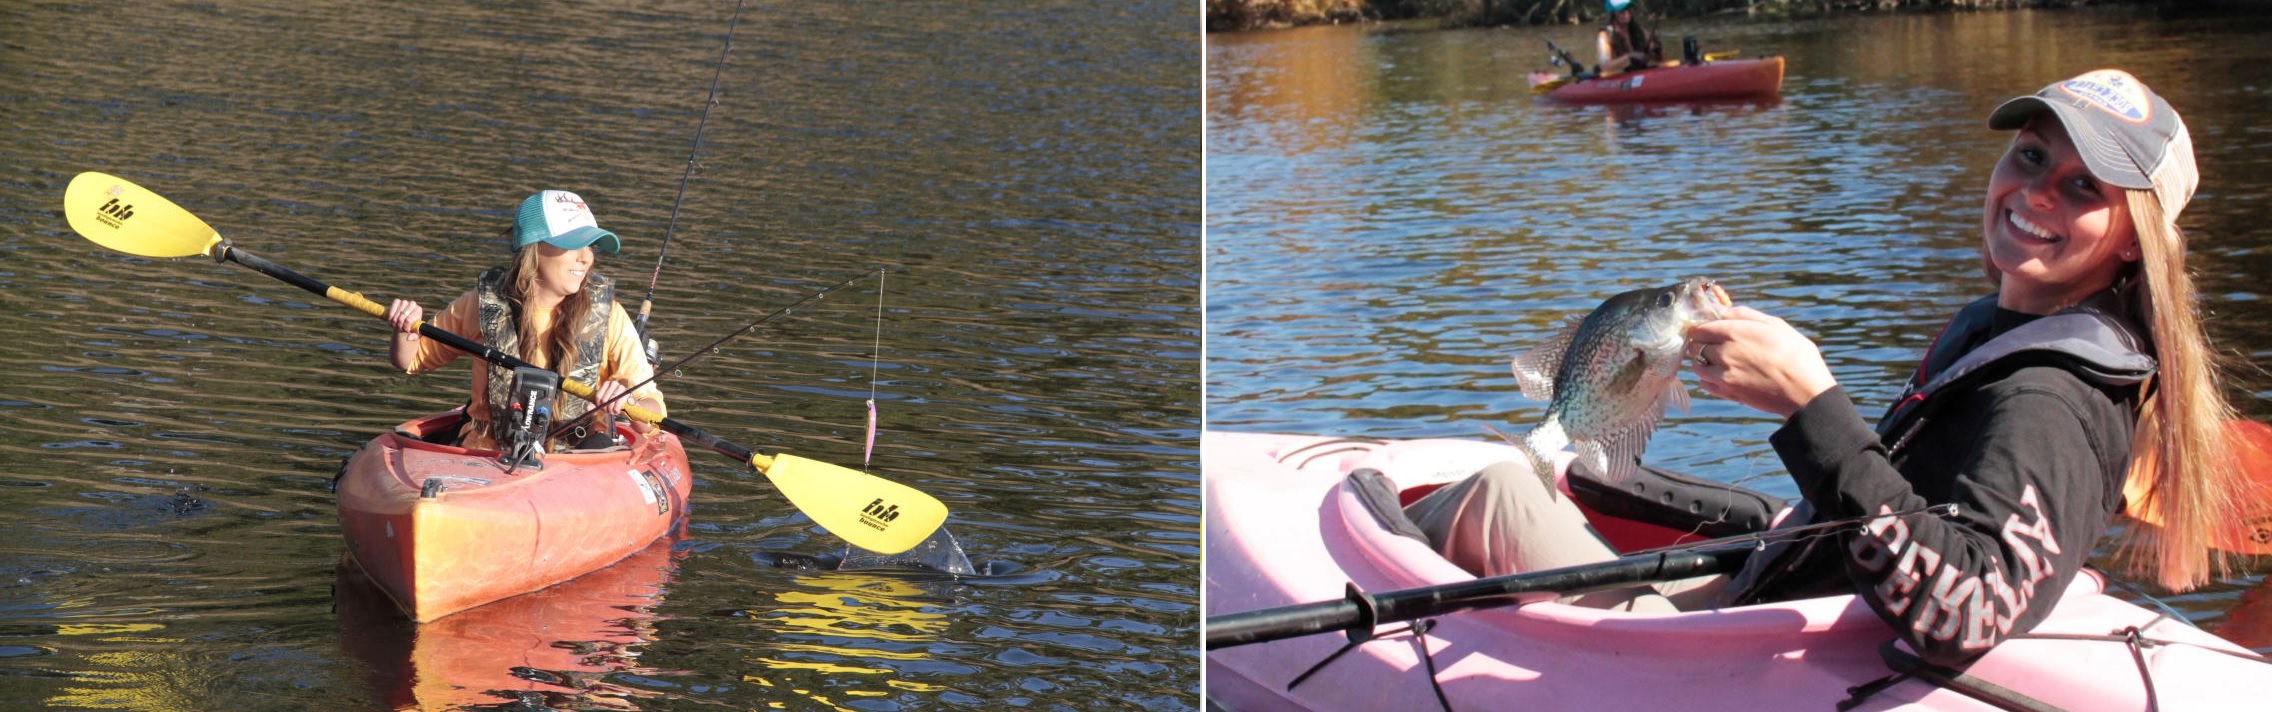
[1608,376]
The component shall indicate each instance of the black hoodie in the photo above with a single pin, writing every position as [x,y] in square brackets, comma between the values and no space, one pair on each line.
[2024,423]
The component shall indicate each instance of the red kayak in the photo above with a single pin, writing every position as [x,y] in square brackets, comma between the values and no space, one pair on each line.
[441,529]
[1722,80]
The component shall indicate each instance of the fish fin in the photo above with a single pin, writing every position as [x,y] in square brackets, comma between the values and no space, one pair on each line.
[1623,455]
[1629,374]
[1534,369]
[1676,394]
[1546,437]
[1502,436]
[1596,458]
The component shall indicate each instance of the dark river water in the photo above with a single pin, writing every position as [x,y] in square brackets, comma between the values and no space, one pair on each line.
[1029,172]
[1391,216]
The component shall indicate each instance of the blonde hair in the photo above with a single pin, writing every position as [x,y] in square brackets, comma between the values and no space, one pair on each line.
[2179,448]
[558,351]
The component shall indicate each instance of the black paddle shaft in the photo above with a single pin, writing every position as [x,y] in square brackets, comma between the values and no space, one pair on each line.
[481,351]
[1360,612]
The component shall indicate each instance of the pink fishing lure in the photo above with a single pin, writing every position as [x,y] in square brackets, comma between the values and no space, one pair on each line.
[870,451]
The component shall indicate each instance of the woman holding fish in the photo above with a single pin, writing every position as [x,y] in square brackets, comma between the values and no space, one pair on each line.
[2030,412]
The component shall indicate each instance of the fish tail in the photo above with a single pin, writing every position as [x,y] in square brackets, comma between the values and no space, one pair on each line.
[1540,443]
[1541,465]
[1535,455]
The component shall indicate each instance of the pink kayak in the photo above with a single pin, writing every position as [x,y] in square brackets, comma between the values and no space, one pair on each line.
[1285,526]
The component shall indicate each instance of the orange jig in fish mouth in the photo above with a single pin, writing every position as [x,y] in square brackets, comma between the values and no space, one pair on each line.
[1719,295]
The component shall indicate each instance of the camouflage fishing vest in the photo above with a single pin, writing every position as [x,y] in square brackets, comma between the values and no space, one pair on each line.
[497,330]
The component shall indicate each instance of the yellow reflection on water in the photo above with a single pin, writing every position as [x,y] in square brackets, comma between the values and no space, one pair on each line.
[847,612]
[138,680]
[102,628]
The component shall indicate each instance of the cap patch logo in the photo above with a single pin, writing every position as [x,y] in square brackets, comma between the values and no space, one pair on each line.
[565,211]
[2111,91]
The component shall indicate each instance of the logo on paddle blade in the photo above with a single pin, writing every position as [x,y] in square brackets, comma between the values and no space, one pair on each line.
[877,515]
[114,213]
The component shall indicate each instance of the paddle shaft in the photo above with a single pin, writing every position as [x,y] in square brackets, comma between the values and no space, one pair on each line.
[689,433]
[1359,613]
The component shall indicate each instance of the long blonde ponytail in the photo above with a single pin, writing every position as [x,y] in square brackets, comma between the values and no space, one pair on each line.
[2178,452]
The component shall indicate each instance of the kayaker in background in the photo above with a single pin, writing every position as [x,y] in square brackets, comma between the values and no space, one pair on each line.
[550,297]
[1624,44]
[2028,412]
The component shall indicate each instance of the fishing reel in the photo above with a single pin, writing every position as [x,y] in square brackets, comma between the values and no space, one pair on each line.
[1559,57]
[531,412]
[654,350]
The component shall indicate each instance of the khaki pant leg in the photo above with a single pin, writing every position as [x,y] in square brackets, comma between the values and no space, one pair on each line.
[1503,520]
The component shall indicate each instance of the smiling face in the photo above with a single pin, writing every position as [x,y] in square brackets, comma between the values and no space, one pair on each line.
[561,272]
[2053,232]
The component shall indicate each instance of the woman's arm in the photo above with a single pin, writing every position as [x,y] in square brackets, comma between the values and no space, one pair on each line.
[404,315]
[627,365]
[2018,457]
[2031,494]
[413,354]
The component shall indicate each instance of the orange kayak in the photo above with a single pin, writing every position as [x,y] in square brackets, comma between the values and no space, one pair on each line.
[441,529]
[1725,79]
[558,642]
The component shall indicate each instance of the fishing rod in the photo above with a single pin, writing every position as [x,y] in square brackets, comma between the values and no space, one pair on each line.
[777,313]
[1358,612]
[647,303]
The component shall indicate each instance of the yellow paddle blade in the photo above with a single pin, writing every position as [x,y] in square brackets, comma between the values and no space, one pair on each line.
[128,218]
[871,512]
[1545,87]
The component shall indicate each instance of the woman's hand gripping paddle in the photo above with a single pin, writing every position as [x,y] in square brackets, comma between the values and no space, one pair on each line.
[868,511]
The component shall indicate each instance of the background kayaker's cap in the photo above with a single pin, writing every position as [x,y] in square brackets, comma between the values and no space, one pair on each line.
[561,219]
[1616,5]
[2128,136]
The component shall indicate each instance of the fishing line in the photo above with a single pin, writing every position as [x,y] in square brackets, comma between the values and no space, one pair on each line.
[777,313]
[875,359]
[1817,530]
[648,302]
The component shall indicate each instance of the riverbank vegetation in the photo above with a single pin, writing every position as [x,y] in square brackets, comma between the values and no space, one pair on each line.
[1232,15]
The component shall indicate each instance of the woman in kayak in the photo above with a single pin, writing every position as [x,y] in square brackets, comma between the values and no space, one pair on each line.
[548,308]
[2030,412]
[1624,44]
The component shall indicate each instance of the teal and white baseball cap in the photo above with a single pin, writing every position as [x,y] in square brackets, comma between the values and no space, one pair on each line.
[560,218]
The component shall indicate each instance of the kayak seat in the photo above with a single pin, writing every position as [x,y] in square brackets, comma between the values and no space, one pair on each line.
[1418,492]
[1675,501]
[616,436]
[1385,503]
